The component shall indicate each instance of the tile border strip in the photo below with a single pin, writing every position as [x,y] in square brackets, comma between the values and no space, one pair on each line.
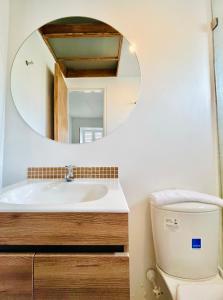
[79,172]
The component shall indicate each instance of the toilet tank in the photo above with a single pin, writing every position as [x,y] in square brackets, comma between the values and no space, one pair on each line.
[186,239]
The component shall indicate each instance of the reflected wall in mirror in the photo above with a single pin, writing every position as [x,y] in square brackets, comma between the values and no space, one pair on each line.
[75,80]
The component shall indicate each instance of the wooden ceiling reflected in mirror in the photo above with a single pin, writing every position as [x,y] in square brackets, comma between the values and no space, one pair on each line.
[84,47]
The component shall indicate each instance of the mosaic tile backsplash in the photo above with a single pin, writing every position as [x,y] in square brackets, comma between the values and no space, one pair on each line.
[79,172]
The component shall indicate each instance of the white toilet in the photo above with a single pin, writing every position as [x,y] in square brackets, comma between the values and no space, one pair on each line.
[186,239]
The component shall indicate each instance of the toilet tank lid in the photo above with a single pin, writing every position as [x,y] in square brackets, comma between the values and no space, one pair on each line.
[177,199]
[192,207]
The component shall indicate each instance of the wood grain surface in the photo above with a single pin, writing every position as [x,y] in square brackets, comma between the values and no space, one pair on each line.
[63,228]
[16,279]
[81,276]
[60,107]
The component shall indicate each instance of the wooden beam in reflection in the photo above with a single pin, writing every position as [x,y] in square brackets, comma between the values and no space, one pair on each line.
[75,58]
[78,30]
[91,73]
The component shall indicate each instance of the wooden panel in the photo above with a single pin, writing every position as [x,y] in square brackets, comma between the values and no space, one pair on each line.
[82,277]
[75,58]
[91,73]
[63,228]
[60,107]
[16,276]
[78,30]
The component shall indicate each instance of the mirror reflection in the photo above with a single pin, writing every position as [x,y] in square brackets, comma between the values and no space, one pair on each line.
[85,80]
[86,115]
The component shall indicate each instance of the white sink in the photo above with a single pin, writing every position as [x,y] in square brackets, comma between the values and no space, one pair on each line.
[58,195]
[46,193]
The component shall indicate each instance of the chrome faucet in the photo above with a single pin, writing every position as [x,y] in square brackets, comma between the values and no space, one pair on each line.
[69,176]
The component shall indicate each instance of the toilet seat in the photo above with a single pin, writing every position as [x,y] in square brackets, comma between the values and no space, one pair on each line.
[183,289]
[212,291]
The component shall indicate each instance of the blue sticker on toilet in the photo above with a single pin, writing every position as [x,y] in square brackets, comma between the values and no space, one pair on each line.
[196,243]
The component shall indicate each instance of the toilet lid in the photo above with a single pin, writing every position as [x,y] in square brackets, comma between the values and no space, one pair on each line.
[200,291]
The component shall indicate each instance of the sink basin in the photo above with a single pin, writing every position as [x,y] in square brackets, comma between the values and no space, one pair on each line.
[51,193]
[57,195]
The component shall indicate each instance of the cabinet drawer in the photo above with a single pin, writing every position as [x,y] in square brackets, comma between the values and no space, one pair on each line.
[16,280]
[64,229]
[81,276]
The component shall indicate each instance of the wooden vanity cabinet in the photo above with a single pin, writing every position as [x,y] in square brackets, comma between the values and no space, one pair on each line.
[81,276]
[64,275]
[16,276]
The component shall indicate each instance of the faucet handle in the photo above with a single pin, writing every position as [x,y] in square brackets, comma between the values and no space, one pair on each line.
[69,173]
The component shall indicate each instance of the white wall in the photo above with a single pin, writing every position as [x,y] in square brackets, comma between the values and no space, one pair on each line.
[217,6]
[218,49]
[32,85]
[120,95]
[167,140]
[4,24]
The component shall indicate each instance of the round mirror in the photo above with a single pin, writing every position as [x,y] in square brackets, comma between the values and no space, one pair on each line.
[75,80]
